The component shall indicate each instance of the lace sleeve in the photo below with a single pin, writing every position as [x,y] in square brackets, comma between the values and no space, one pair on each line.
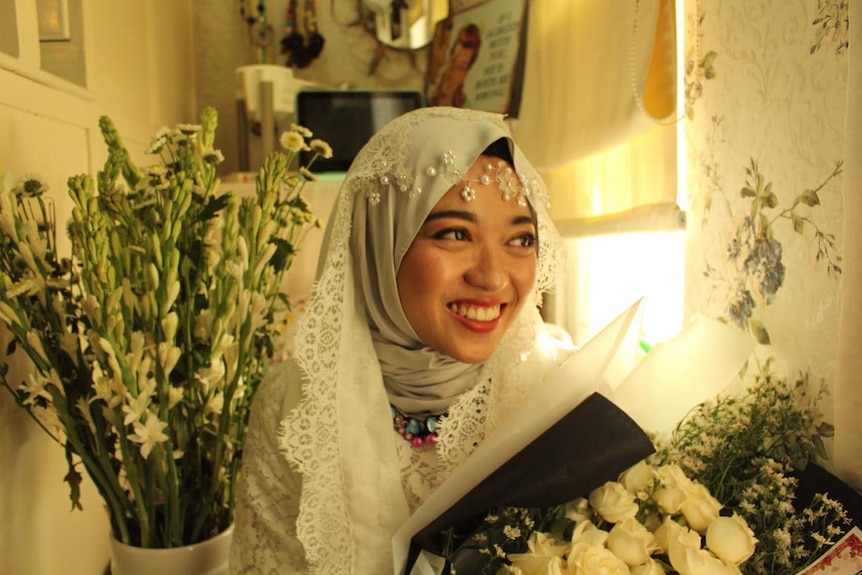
[264,539]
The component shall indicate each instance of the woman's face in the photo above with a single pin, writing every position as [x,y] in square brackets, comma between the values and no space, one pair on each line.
[469,270]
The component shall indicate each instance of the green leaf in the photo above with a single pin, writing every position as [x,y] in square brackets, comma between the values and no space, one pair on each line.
[798,223]
[758,331]
[826,430]
[709,58]
[283,251]
[747,192]
[73,478]
[809,198]
[215,205]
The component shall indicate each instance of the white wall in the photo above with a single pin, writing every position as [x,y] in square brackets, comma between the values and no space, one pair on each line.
[139,71]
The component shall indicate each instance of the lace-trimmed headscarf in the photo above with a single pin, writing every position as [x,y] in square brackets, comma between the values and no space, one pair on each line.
[356,348]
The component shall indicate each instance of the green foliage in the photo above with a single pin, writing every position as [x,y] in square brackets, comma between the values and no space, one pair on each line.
[148,343]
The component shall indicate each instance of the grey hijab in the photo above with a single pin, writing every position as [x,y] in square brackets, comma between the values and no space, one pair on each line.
[398,177]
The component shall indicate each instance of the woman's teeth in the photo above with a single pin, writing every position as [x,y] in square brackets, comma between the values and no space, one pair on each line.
[476,313]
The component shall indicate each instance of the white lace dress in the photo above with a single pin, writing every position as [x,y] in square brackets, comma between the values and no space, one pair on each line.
[266,539]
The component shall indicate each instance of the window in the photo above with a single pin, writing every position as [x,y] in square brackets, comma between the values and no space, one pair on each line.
[607,273]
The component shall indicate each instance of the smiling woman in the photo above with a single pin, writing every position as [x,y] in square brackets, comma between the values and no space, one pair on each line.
[470,269]
[423,325]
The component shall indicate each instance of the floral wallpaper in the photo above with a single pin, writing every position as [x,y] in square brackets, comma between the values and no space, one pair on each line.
[765,104]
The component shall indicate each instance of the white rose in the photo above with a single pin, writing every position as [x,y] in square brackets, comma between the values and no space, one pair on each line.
[638,477]
[672,475]
[529,564]
[578,510]
[631,542]
[670,531]
[730,539]
[689,560]
[669,499]
[651,567]
[587,559]
[588,533]
[700,507]
[674,486]
[544,545]
[613,502]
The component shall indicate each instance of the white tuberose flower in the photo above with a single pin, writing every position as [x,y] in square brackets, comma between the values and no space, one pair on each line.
[149,434]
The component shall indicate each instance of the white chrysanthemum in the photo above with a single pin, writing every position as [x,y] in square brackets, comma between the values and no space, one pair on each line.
[302,130]
[292,141]
[322,148]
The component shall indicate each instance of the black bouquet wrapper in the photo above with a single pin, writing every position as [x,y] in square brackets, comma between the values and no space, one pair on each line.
[592,444]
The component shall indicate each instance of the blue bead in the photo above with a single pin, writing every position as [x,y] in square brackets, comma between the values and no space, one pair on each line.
[413,426]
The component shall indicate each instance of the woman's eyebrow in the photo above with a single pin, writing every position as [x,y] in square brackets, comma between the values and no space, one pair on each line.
[459,214]
[471,217]
[525,219]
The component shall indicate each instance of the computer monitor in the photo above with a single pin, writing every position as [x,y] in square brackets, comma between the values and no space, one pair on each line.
[346,119]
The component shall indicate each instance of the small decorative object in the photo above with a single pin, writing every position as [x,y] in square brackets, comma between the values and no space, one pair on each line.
[148,343]
[302,42]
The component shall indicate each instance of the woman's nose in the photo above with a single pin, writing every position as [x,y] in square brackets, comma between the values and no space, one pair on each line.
[488,269]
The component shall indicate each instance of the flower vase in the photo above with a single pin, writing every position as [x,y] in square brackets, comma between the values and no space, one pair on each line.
[208,557]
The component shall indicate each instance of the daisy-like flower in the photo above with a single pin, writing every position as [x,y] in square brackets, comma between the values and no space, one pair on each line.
[322,148]
[189,129]
[30,185]
[306,133]
[213,157]
[292,141]
[149,434]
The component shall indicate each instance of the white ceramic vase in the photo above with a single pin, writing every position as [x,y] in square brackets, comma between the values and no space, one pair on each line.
[208,557]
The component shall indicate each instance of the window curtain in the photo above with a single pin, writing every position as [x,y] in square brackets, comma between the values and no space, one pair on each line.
[597,113]
[848,375]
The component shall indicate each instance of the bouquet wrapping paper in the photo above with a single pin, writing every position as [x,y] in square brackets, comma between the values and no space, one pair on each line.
[583,426]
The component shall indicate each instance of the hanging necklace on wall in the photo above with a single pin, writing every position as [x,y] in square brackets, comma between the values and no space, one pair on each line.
[301,43]
[261,32]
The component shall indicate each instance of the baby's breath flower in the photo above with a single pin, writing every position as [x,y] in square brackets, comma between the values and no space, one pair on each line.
[511,532]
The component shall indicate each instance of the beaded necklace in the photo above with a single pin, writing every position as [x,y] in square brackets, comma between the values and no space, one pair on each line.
[419,432]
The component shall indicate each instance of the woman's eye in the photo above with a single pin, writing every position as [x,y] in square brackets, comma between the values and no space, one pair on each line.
[458,234]
[527,240]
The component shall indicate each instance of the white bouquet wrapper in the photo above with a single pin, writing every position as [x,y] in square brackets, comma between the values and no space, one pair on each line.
[625,397]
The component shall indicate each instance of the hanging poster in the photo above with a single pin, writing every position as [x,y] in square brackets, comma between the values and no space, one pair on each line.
[476,58]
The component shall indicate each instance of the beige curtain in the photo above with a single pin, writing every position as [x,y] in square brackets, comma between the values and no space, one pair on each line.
[848,379]
[598,109]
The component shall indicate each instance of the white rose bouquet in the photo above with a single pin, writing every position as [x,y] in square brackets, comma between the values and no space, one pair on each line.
[148,343]
[719,497]
[649,521]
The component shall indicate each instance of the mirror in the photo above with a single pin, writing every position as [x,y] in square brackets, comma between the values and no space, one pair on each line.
[406,24]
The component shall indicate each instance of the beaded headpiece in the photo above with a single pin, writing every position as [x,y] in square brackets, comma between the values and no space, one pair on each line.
[511,184]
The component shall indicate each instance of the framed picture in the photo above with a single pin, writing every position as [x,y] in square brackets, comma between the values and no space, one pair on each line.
[476,58]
